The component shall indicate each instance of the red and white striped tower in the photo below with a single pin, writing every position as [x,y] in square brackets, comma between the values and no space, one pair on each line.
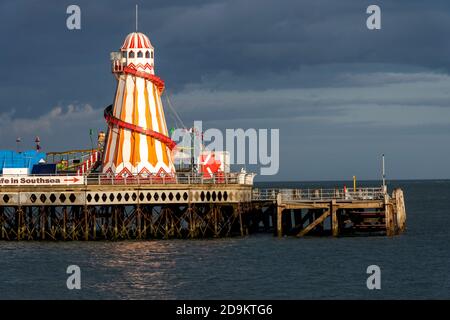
[137,140]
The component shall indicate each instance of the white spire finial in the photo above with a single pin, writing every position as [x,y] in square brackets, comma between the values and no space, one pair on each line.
[136,18]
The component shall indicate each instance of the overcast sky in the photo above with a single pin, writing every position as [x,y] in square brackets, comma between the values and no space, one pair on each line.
[340,94]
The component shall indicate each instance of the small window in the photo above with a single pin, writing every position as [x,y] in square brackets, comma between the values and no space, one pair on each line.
[152,54]
[140,54]
[131,54]
[147,54]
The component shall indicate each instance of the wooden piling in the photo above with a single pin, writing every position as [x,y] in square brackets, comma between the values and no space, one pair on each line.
[280,209]
[64,231]
[86,223]
[241,224]
[94,224]
[2,222]
[138,222]
[43,220]
[400,209]
[334,219]
[216,221]
[115,223]
[19,214]
[145,214]
[389,219]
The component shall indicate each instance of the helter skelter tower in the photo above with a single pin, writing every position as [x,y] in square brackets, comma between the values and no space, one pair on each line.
[137,140]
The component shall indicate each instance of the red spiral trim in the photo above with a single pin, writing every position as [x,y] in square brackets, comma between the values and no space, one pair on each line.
[157,81]
[110,119]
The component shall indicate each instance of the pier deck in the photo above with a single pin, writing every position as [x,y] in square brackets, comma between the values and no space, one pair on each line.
[103,209]
[306,211]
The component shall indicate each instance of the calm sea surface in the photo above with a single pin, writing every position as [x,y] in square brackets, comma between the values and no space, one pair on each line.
[414,265]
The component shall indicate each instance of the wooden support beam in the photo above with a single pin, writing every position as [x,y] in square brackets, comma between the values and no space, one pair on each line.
[241,224]
[191,222]
[144,233]
[64,231]
[215,213]
[400,210]
[19,222]
[389,217]
[43,221]
[86,223]
[334,219]
[315,223]
[280,221]
[115,223]
[138,222]
[73,220]
[2,222]
[280,208]
[306,205]
[165,214]
[361,205]
[94,224]
[369,204]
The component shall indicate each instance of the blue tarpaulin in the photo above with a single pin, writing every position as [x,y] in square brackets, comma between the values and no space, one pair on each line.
[25,159]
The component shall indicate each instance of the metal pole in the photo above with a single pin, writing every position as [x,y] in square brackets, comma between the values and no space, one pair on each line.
[383,173]
[192,149]
[136,18]
[92,142]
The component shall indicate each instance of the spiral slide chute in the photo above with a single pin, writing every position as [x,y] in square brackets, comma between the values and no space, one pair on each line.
[129,126]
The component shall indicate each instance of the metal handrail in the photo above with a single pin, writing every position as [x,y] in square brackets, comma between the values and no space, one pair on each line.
[178,178]
[225,178]
[371,193]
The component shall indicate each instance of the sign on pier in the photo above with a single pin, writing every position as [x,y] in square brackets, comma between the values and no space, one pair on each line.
[40,180]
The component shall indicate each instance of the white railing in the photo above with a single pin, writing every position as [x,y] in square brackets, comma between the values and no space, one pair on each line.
[318,194]
[179,178]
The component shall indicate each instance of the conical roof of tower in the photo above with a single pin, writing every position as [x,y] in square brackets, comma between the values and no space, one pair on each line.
[136,40]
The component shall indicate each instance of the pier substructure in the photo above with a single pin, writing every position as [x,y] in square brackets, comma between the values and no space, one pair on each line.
[166,211]
[373,213]
[120,212]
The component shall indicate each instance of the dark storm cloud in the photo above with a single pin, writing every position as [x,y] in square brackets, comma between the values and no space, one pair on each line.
[350,94]
[194,39]
[310,67]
